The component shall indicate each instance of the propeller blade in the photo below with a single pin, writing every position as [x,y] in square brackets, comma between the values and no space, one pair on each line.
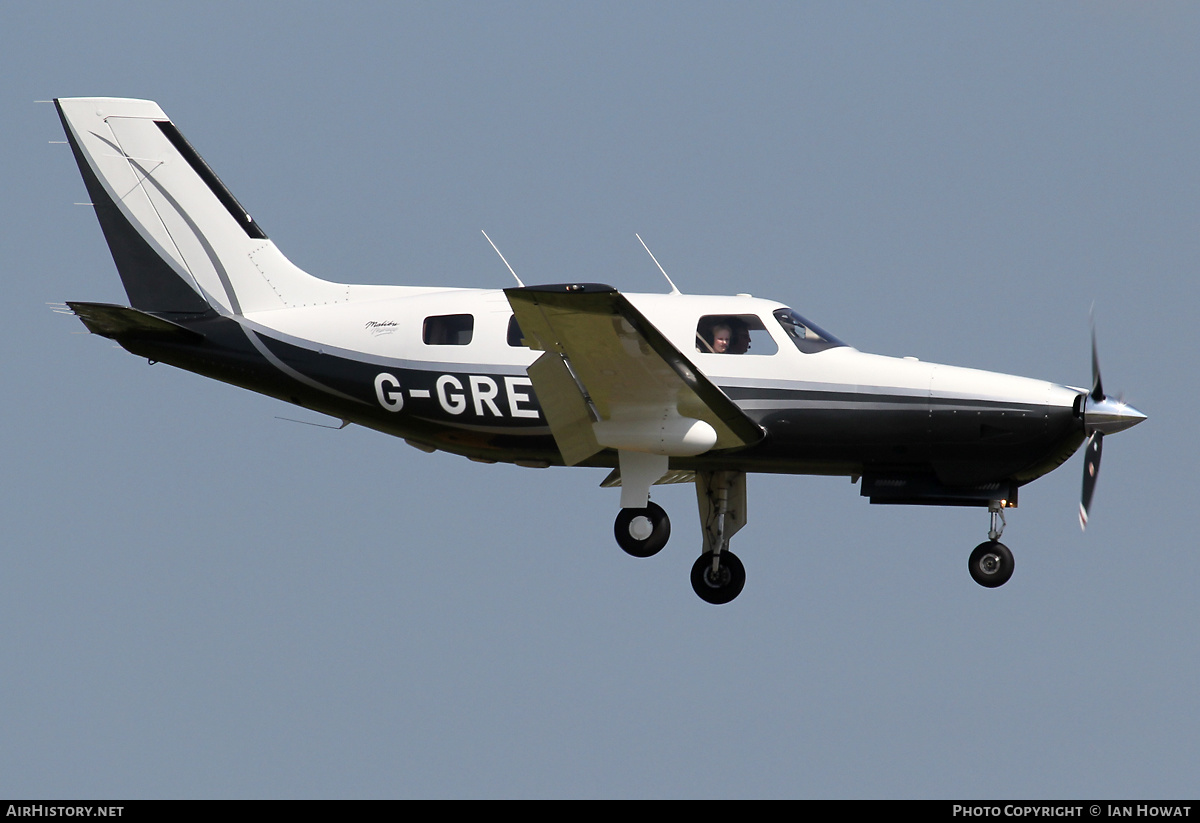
[1097,388]
[1091,470]
[1101,416]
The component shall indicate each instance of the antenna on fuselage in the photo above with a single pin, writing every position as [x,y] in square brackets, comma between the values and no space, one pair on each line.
[345,423]
[674,288]
[510,268]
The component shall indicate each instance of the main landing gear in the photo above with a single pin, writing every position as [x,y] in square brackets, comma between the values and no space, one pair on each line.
[991,562]
[718,578]
[718,575]
[643,532]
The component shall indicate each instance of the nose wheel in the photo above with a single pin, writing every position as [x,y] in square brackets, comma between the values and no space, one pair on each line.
[991,564]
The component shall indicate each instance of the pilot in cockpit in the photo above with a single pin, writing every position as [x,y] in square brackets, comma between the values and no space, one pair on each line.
[722,335]
[725,335]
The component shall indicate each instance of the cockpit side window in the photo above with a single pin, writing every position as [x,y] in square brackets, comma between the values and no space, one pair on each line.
[807,337]
[448,330]
[733,334]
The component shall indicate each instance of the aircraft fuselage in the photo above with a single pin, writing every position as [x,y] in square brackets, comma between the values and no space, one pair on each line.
[837,411]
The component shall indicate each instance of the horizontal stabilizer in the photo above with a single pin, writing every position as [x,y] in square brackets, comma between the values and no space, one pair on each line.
[124,323]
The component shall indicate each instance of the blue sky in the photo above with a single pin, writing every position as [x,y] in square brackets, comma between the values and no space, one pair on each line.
[202,600]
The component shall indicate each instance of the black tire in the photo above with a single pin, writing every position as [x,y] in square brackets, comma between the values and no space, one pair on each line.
[632,522]
[991,564]
[729,580]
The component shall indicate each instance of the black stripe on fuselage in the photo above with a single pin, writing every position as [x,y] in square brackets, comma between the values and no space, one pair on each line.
[780,398]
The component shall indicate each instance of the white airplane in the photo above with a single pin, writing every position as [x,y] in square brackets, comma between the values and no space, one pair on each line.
[661,388]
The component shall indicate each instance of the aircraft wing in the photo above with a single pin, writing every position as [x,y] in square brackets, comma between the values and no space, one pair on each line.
[605,360]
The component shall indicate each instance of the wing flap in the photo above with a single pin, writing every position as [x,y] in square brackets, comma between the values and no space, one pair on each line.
[566,407]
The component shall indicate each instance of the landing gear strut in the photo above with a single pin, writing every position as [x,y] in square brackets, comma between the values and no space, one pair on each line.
[718,576]
[991,563]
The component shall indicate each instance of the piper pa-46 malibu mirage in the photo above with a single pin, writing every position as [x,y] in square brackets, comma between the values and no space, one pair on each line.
[660,388]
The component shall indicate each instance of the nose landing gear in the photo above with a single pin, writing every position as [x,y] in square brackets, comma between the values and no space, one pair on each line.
[991,563]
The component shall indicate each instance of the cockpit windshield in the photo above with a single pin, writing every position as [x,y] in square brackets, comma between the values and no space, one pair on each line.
[807,337]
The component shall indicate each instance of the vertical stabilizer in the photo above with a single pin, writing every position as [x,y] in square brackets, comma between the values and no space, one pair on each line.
[181,241]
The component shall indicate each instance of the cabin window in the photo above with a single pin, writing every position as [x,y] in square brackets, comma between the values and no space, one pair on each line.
[448,330]
[733,334]
[807,337]
[515,338]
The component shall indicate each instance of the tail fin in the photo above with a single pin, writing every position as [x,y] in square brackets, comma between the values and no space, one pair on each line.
[180,239]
